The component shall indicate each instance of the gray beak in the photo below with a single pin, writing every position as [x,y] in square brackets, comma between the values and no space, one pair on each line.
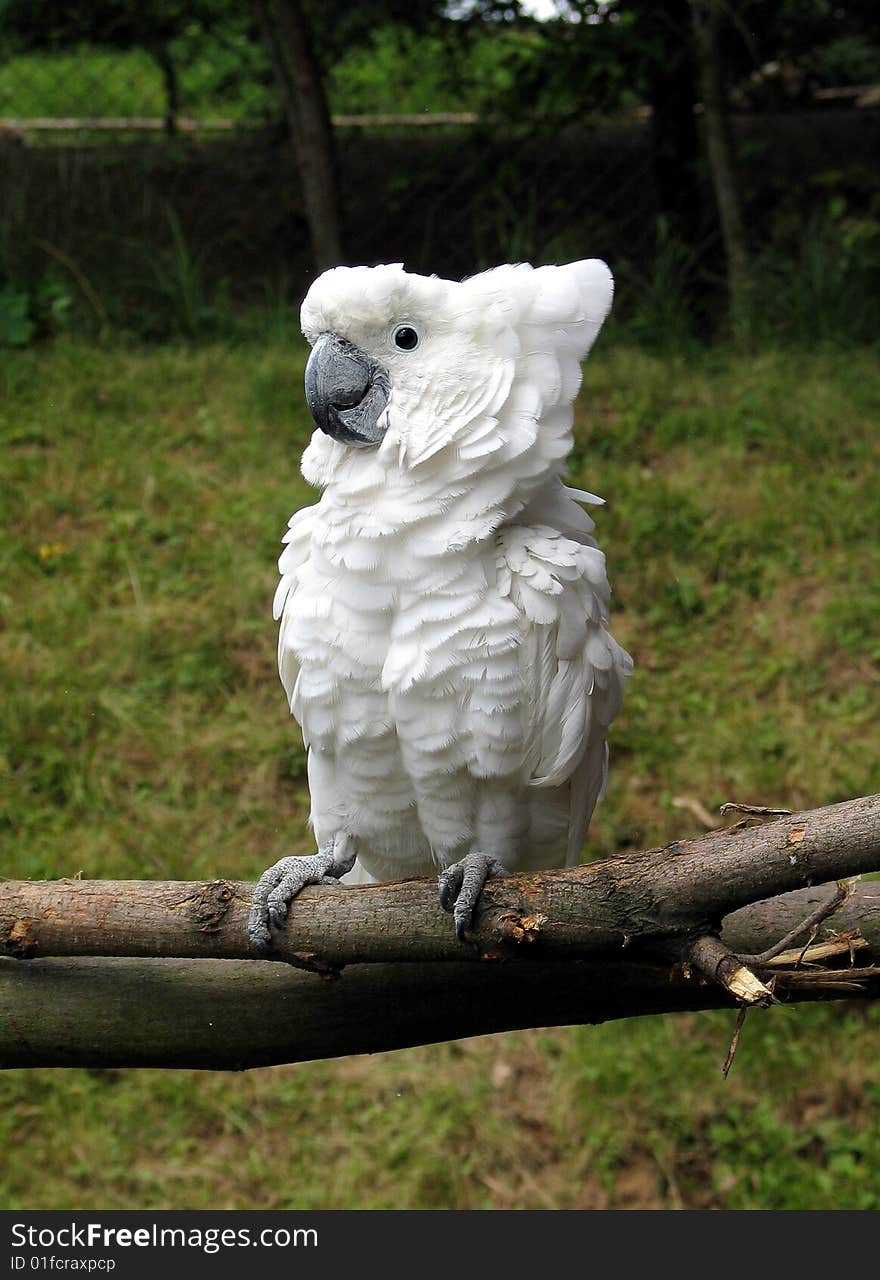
[346,391]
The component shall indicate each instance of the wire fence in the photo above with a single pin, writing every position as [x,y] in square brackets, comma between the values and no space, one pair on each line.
[96,171]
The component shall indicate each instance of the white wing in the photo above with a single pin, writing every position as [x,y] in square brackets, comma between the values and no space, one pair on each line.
[572,669]
[297,542]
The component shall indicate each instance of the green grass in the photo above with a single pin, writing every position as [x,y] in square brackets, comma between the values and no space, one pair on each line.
[230,77]
[82,83]
[87,82]
[143,733]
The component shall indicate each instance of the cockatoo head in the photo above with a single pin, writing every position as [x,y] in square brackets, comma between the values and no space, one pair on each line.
[430,373]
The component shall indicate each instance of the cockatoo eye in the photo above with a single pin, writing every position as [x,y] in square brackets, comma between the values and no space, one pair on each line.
[405,337]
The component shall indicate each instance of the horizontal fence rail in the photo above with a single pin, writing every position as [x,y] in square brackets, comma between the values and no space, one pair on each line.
[866,96]
[188,124]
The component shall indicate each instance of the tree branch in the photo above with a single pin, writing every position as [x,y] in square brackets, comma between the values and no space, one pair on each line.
[187,994]
[234,1014]
[661,898]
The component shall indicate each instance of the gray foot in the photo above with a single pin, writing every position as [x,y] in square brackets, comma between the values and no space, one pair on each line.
[277,887]
[461,885]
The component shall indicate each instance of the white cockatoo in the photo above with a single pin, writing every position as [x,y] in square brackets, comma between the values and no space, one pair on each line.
[443,605]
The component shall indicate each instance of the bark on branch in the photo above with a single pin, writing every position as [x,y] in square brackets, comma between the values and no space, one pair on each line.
[660,898]
[633,933]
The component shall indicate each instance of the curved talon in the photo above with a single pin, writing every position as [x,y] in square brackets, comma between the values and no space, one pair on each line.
[449,885]
[260,937]
[461,884]
[279,885]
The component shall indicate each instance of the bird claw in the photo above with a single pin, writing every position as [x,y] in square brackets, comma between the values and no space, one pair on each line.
[279,885]
[461,884]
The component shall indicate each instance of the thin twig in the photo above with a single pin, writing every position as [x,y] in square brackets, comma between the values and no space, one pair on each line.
[697,808]
[805,948]
[812,922]
[839,945]
[756,810]
[855,980]
[731,1052]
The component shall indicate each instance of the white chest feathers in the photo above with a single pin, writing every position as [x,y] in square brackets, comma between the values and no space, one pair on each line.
[491,659]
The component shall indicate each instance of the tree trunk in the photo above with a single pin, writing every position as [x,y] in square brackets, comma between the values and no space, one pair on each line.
[162,54]
[676,154]
[707,17]
[640,934]
[288,40]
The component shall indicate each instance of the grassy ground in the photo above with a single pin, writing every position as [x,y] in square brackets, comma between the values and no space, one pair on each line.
[143,733]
